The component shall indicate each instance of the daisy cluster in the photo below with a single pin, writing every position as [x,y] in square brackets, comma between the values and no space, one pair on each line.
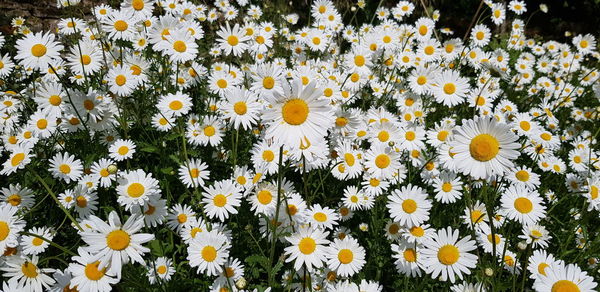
[234,147]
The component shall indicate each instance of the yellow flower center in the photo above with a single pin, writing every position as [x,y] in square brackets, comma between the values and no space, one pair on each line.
[38,50]
[382,161]
[175,105]
[449,88]
[442,135]
[410,135]
[121,25]
[268,82]
[209,131]
[476,216]
[268,155]
[179,46]
[42,124]
[410,255]
[542,268]
[86,59]
[29,270]
[421,80]
[307,245]
[423,30]
[484,147]
[135,190]
[232,40]
[383,136]
[181,218]
[522,175]
[118,240]
[220,200]
[409,206]
[448,254]
[295,111]
[88,104]
[137,4]
[429,50]
[546,136]
[55,100]
[497,238]
[525,125]
[81,201]
[345,256]
[359,60]
[446,187]
[64,168]
[161,269]
[4,230]
[209,253]
[120,80]
[222,83]
[264,197]
[594,192]
[123,150]
[14,200]
[320,217]
[523,205]
[37,241]
[480,35]
[92,272]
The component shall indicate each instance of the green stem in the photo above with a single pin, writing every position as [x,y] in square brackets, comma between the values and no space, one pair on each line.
[56,199]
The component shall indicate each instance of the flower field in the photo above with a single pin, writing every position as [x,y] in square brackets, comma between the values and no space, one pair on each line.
[233,146]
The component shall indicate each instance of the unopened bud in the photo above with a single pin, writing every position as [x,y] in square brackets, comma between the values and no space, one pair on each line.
[241,283]
[522,245]
[489,272]
[112,169]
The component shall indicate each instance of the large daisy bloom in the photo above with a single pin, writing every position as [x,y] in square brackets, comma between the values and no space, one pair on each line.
[522,205]
[209,252]
[345,256]
[484,147]
[564,278]
[87,274]
[114,243]
[409,206]
[446,256]
[37,50]
[308,248]
[10,226]
[299,116]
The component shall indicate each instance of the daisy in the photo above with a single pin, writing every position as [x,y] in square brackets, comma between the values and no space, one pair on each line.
[100,169]
[536,235]
[299,115]
[180,216]
[17,159]
[524,176]
[161,268]
[64,166]
[121,150]
[539,262]
[446,256]
[522,205]
[84,200]
[174,105]
[232,40]
[85,58]
[408,258]
[33,245]
[38,50]
[209,132]
[113,243]
[120,24]
[484,147]
[241,108]
[221,199]
[136,188]
[209,252]
[480,35]
[194,173]
[322,217]
[307,248]
[27,274]
[563,277]
[10,226]
[345,256]
[450,88]
[87,275]
[121,80]
[382,162]
[448,187]
[233,270]
[17,196]
[409,206]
